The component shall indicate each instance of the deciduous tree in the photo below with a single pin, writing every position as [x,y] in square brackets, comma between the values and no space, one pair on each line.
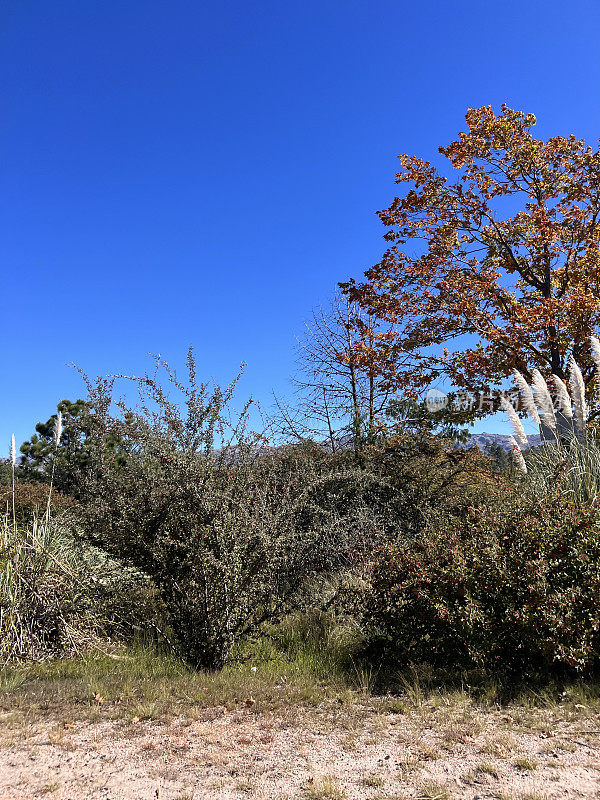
[339,395]
[494,270]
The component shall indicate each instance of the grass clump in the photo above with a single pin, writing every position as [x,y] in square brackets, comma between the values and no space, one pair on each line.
[59,596]
[373,781]
[526,764]
[432,790]
[326,788]
[42,608]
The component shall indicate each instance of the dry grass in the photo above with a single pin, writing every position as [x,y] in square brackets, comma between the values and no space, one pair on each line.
[373,781]
[432,790]
[485,768]
[500,746]
[527,764]
[325,788]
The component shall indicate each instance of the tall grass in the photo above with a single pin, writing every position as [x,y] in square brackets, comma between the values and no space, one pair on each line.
[575,464]
[57,595]
[571,452]
[36,567]
[37,574]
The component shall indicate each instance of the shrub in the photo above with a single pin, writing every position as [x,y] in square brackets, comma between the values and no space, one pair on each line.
[227,527]
[31,500]
[513,585]
[423,472]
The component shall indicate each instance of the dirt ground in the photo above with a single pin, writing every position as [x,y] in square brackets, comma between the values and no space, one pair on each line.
[318,754]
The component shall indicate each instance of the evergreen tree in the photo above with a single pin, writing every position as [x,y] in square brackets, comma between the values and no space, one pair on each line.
[70,456]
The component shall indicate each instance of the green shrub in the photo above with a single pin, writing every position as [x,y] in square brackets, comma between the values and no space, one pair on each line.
[227,528]
[513,585]
[427,472]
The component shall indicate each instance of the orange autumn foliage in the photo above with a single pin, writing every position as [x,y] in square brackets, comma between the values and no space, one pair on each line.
[505,256]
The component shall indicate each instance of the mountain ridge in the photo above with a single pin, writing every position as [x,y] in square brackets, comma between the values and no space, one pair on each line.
[484,440]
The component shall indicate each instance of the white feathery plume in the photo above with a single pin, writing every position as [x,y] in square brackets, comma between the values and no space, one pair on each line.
[58,426]
[517,455]
[526,396]
[595,347]
[543,399]
[13,451]
[562,396]
[578,394]
[518,428]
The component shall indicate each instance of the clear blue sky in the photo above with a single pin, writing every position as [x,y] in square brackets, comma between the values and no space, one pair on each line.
[205,172]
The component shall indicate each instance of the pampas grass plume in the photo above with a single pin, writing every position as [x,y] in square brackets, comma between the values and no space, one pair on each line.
[526,396]
[578,394]
[517,455]
[518,428]
[595,347]
[13,451]
[543,399]
[58,426]
[562,395]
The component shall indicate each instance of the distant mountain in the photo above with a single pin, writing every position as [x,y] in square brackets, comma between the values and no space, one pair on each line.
[483,440]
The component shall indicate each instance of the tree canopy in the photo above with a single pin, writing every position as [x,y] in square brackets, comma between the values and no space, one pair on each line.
[39,451]
[500,266]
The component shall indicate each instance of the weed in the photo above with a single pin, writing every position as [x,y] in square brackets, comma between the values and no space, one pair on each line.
[485,768]
[364,677]
[245,785]
[434,791]
[501,746]
[375,781]
[412,689]
[326,788]
[524,763]
[567,747]
[393,706]
[50,788]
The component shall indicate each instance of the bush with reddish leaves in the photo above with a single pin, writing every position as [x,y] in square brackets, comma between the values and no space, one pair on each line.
[31,500]
[513,585]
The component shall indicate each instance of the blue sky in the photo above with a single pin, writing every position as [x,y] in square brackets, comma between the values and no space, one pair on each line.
[205,172]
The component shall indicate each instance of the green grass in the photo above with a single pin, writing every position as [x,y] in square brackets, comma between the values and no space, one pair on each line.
[303,663]
[145,683]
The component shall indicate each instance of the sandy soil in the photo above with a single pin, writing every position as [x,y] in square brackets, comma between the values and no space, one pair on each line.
[322,756]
